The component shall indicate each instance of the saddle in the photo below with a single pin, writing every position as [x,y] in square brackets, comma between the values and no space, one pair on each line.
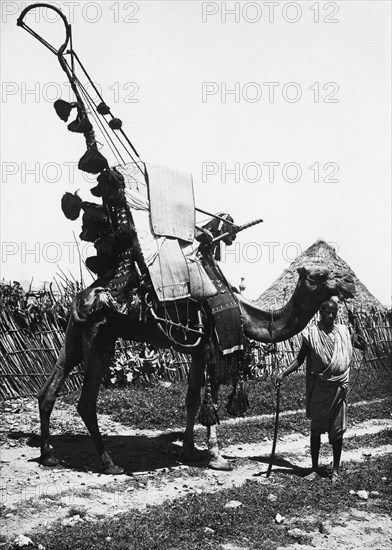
[149,250]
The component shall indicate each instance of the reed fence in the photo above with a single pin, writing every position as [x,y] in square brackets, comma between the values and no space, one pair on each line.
[32,329]
[376,326]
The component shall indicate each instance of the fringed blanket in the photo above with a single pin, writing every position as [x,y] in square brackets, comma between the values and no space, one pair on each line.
[226,313]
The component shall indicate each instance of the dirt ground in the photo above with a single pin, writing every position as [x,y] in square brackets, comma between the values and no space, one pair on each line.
[33,497]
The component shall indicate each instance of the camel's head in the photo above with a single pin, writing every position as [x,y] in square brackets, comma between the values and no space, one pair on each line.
[321,283]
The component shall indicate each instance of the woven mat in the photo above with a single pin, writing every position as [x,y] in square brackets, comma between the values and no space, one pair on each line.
[172,207]
[169,272]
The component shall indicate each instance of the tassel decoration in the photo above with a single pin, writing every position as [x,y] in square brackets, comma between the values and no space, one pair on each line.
[71,205]
[63,108]
[238,402]
[115,124]
[103,109]
[95,222]
[109,182]
[208,415]
[100,265]
[93,162]
[80,125]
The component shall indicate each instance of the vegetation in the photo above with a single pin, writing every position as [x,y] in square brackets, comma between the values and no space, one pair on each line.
[201,521]
[32,325]
[163,406]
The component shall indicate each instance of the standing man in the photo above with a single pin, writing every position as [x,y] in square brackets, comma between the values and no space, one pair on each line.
[328,346]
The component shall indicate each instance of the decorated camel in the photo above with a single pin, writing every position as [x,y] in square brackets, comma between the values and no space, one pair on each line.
[158,277]
[93,342]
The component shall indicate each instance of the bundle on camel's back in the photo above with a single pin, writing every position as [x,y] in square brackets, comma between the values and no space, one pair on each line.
[124,303]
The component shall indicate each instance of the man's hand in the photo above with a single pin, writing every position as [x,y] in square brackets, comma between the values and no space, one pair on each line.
[278,379]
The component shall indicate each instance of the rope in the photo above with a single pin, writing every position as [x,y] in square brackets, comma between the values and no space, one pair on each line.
[101,98]
[93,108]
[109,140]
[76,85]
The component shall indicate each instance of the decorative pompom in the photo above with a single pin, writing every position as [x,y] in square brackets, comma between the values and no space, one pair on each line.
[63,108]
[105,245]
[109,181]
[208,415]
[93,162]
[117,199]
[71,204]
[99,264]
[95,222]
[103,109]
[80,125]
[238,402]
[115,124]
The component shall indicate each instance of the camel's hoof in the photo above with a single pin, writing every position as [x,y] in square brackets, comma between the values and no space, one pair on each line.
[49,460]
[220,464]
[194,456]
[113,470]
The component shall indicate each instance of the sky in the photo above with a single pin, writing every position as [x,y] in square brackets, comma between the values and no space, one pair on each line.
[280,111]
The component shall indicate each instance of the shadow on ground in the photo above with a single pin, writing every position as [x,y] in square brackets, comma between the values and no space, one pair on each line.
[284,466]
[135,453]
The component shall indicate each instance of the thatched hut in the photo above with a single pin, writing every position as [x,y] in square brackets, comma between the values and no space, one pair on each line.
[321,254]
[373,316]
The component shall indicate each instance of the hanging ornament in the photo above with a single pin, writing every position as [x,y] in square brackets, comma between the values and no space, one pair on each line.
[71,205]
[208,415]
[238,402]
[115,124]
[103,109]
[92,161]
[80,125]
[63,108]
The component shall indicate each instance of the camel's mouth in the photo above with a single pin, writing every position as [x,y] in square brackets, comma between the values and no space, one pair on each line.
[346,287]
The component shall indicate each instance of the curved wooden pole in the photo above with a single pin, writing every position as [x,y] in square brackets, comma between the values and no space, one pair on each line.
[22,24]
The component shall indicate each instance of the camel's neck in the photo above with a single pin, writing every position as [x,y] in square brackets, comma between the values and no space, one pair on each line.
[276,325]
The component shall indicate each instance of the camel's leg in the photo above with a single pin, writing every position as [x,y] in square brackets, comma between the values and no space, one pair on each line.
[99,349]
[217,462]
[70,355]
[192,403]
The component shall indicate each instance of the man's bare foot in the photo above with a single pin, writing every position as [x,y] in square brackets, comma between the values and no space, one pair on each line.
[334,477]
[312,476]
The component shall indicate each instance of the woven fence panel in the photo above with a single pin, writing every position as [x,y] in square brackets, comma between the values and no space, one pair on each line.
[30,345]
[28,357]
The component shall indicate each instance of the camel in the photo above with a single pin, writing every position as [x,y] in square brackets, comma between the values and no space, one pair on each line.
[90,337]
[97,321]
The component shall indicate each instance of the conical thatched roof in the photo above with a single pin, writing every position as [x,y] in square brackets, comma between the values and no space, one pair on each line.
[321,254]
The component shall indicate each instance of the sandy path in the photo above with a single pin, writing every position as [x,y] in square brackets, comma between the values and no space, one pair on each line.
[35,496]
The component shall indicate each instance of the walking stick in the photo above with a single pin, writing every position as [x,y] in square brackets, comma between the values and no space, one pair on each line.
[272,456]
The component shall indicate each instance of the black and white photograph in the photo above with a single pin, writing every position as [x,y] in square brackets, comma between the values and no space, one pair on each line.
[195,275]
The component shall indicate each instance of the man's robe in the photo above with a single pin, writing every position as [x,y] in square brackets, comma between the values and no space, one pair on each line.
[328,370]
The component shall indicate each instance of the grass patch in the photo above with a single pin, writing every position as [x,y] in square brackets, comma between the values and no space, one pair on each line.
[76,511]
[27,508]
[256,429]
[384,437]
[181,524]
[158,406]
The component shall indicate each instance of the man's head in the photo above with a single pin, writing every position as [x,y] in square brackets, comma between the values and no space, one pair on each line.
[328,312]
